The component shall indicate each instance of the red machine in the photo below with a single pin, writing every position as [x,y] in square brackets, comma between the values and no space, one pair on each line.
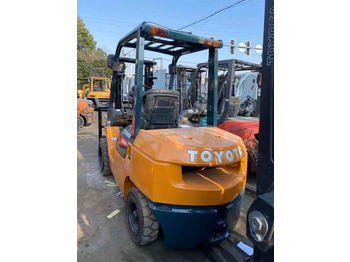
[232,115]
[248,129]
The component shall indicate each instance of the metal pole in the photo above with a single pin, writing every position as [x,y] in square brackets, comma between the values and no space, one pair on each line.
[99,122]
[265,176]
[172,73]
[140,45]
[229,85]
[257,48]
[212,104]
[264,250]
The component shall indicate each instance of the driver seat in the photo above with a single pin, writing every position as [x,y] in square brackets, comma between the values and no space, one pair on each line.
[159,109]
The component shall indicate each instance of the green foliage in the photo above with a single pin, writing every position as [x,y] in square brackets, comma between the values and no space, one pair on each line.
[88,56]
[85,39]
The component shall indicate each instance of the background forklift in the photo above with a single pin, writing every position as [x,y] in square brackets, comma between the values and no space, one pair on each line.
[187,181]
[99,87]
[228,107]
[229,100]
[184,75]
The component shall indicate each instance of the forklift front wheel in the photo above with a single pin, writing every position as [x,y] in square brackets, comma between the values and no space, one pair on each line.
[143,226]
[253,161]
[103,157]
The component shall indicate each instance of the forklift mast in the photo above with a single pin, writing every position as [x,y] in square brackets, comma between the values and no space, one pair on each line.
[151,37]
[225,86]
[260,217]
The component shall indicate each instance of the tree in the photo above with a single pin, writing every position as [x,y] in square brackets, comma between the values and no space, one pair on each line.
[85,39]
[88,56]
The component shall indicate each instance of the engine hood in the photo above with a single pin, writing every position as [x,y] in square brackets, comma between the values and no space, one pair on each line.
[197,146]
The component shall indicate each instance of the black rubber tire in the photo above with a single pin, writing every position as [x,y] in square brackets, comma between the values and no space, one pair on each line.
[82,121]
[147,226]
[252,161]
[103,157]
[85,121]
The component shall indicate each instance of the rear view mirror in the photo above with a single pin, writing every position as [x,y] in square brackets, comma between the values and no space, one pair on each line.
[110,59]
[115,66]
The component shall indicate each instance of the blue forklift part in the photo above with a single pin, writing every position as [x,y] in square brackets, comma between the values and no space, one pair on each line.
[173,72]
[190,226]
[212,105]
[203,121]
[171,42]
[78,124]
[138,79]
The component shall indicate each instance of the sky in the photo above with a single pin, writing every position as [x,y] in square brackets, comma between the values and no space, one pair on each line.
[110,20]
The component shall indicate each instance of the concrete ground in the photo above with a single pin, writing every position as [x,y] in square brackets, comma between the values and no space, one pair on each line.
[102,239]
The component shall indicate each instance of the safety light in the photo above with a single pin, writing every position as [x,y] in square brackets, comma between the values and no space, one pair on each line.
[158,31]
[259,79]
[133,126]
[211,42]
[122,141]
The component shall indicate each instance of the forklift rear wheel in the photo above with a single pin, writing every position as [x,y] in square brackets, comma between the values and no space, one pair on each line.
[143,226]
[81,121]
[103,157]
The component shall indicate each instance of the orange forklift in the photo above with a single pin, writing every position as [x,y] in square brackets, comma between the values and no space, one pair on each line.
[85,111]
[189,182]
